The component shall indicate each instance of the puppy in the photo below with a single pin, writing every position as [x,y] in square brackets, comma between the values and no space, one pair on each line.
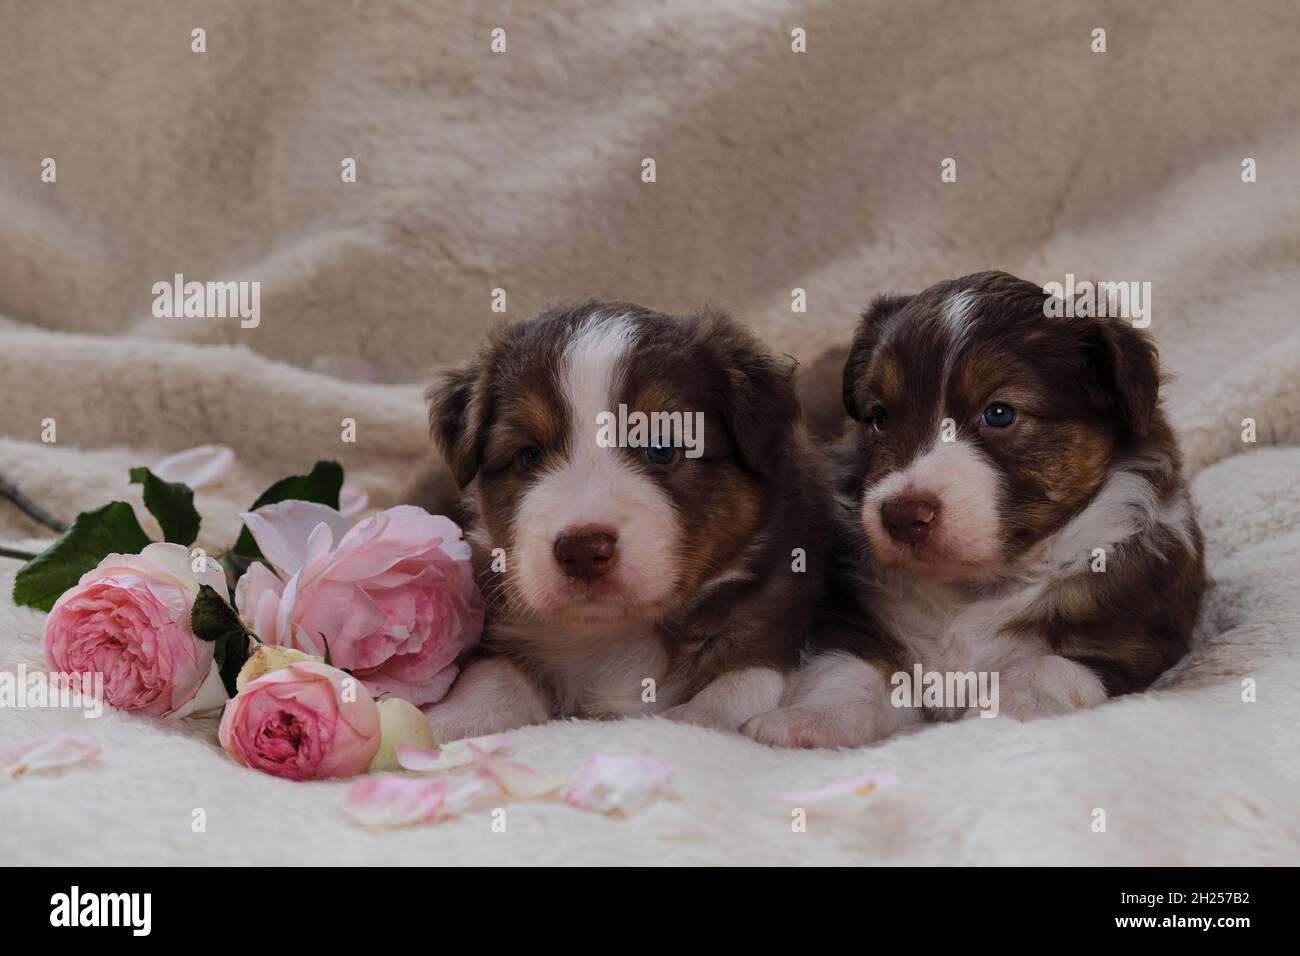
[1021,497]
[668,577]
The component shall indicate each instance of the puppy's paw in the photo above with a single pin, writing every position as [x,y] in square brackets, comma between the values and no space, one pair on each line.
[698,714]
[804,727]
[454,723]
[1049,687]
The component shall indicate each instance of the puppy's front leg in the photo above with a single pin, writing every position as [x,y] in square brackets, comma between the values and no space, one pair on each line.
[834,700]
[732,699]
[1046,686]
[489,696]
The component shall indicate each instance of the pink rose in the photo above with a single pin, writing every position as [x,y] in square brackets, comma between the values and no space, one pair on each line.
[394,597]
[305,721]
[129,619]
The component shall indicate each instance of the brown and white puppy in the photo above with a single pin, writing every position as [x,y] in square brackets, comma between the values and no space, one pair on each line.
[1023,501]
[631,580]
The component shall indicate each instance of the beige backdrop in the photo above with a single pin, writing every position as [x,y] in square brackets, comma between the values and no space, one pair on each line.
[775,171]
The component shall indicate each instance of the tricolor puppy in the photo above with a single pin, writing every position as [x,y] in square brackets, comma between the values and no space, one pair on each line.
[628,572]
[1022,497]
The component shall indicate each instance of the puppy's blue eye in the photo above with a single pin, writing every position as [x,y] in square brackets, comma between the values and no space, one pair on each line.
[999,415]
[530,458]
[660,454]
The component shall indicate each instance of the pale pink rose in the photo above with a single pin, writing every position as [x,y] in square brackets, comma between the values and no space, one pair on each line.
[393,598]
[306,721]
[129,619]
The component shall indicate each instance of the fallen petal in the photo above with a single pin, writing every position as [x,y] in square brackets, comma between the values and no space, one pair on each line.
[449,756]
[514,779]
[196,467]
[618,783]
[473,793]
[845,796]
[47,753]
[395,801]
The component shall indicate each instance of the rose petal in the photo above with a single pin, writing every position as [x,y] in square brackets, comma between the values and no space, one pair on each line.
[46,753]
[208,700]
[514,779]
[618,783]
[846,796]
[395,801]
[196,467]
[449,756]
[282,531]
[352,500]
[472,793]
[164,562]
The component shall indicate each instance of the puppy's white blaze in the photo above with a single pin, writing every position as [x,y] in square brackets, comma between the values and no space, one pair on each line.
[965,486]
[594,486]
[956,324]
[591,363]
[956,312]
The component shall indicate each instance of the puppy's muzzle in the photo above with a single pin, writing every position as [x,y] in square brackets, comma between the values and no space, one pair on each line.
[909,521]
[586,553]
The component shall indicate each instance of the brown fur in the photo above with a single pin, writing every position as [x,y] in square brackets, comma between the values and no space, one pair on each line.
[758,492]
[1086,392]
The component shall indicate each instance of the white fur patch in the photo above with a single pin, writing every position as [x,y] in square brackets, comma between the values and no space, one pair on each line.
[956,312]
[956,324]
[1127,505]
[490,696]
[591,487]
[834,700]
[965,486]
[732,699]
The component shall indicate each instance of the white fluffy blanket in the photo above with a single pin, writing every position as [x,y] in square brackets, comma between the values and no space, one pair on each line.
[522,171]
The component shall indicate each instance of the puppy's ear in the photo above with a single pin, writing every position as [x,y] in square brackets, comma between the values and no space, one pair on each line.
[759,403]
[454,421]
[864,343]
[1123,370]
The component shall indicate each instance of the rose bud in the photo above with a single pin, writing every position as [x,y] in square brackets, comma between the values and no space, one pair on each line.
[401,722]
[306,721]
[266,658]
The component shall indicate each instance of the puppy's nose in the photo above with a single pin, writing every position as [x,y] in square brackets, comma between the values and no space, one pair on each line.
[587,553]
[908,521]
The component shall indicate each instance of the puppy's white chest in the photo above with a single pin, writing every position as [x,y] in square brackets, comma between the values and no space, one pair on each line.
[960,637]
[612,669]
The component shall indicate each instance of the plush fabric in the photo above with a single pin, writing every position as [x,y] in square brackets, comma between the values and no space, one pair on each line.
[522,171]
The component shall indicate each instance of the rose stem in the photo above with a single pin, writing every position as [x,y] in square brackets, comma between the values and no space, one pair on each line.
[29,507]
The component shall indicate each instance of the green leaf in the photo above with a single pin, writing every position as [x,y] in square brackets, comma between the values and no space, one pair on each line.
[213,619]
[322,485]
[172,503]
[89,539]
